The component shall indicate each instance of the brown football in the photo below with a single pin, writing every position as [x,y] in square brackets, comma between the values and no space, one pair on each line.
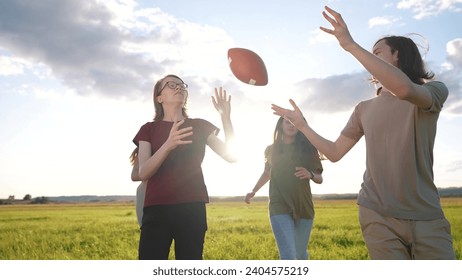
[247,66]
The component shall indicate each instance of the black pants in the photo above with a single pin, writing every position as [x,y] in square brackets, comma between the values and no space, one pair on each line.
[185,223]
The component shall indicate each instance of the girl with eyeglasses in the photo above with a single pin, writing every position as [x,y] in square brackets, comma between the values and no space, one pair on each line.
[171,150]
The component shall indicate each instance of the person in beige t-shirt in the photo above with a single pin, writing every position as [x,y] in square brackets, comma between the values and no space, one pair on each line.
[399,207]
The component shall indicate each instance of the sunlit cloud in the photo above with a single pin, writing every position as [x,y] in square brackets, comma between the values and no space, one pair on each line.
[454,50]
[10,66]
[381,21]
[319,37]
[452,75]
[338,93]
[112,49]
[428,8]
[455,166]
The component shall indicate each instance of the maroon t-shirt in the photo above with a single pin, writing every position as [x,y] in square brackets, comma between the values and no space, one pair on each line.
[179,179]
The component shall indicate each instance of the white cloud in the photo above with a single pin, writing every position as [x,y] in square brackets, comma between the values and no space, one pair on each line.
[454,50]
[427,8]
[318,37]
[121,10]
[455,166]
[108,47]
[10,66]
[338,93]
[380,21]
[452,75]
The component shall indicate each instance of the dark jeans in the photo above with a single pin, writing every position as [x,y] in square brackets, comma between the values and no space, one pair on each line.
[185,223]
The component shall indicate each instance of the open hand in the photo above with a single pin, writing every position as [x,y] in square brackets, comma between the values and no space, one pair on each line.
[177,136]
[248,197]
[294,116]
[222,102]
[340,29]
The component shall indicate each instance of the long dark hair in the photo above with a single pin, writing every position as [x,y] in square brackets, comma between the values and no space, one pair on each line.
[302,145]
[159,110]
[409,59]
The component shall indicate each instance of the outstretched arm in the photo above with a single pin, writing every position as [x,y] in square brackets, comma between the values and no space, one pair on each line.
[334,151]
[391,77]
[222,103]
[264,178]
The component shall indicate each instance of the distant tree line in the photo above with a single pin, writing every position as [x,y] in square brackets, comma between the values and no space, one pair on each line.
[40,200]
[27,198]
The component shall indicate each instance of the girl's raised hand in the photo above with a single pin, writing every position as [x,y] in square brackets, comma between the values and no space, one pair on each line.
[177,136]
[293,116]
[222,102]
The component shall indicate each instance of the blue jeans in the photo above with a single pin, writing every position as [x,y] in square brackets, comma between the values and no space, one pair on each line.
[291,236]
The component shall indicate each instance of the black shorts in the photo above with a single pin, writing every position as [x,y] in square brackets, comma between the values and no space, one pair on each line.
[185,223]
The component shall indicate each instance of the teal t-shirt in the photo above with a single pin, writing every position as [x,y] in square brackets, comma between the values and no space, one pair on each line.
[289,194]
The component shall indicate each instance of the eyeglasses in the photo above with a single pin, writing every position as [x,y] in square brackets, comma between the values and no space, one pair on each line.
[173,85]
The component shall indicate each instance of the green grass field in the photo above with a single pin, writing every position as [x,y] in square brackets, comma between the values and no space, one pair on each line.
[237,231]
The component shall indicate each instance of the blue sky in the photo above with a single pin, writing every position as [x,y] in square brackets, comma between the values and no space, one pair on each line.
[76,80]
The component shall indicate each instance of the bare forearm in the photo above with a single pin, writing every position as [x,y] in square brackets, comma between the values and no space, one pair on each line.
[264,178]
[391,77]
[228,129]
[149,167]
[326,147]
[229,139]
[135,173]
[317,178]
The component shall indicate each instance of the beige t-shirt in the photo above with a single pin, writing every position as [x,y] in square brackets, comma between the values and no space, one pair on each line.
[398,181]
